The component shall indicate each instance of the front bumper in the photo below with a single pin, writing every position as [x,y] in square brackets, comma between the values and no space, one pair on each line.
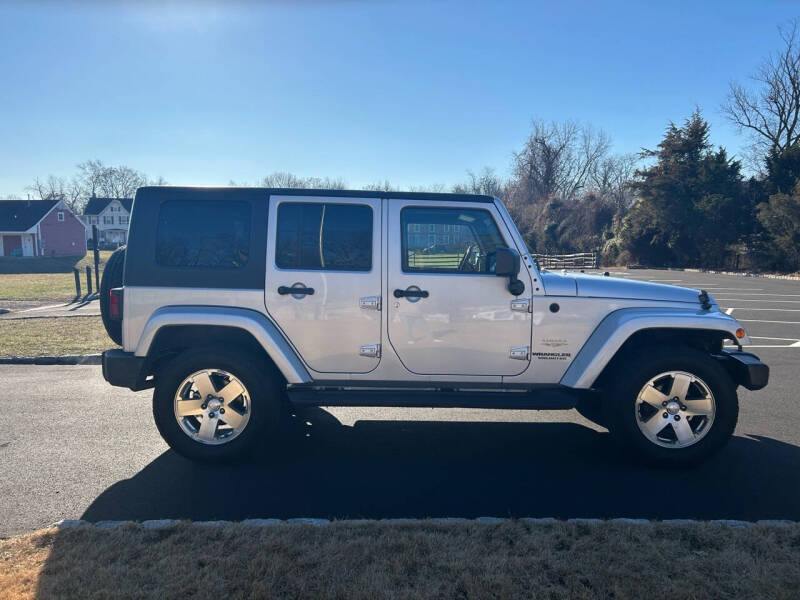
[124,369]
[746,369]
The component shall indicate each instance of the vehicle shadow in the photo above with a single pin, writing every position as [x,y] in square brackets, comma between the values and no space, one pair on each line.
[387,469]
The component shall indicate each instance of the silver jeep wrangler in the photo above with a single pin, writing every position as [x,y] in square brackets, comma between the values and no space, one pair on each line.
[235,303]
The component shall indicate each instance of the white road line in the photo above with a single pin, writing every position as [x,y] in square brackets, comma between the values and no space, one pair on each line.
[771,309]
[42,307]
[780,295]
[760,300]
[728,311]
[760,321]
[795,342]
[716,289]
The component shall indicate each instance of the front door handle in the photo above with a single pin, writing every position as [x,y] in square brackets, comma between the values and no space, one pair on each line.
[411,294]
[295,291]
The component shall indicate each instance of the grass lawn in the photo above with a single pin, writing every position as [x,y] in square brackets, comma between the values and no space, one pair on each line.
[507,560]
[61,264]
[46,279]
[53,336]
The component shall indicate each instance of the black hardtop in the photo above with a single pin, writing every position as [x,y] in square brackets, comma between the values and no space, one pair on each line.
[168,192]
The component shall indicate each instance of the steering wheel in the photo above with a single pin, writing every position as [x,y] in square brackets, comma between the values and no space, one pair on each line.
[465,258]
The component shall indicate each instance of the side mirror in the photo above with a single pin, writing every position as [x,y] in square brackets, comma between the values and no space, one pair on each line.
[507,265]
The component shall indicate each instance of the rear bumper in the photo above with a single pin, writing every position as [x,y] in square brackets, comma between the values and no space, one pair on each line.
[124,369]
[746,369]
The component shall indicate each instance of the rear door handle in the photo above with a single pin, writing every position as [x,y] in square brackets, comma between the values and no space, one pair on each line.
[295,291]
[411,294]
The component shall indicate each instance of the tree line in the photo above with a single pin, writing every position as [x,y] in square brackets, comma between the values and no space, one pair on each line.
[685,203]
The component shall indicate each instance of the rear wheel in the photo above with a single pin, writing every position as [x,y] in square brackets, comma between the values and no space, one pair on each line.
[213,407]
[672,405]
[112,278]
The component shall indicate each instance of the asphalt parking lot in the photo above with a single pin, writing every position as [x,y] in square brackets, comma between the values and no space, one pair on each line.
[74,447]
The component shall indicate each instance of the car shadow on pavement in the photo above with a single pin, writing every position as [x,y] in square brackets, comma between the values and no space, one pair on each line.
[389,469]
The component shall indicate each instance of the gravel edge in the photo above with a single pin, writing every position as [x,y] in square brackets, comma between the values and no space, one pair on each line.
[68,359]
[167,523]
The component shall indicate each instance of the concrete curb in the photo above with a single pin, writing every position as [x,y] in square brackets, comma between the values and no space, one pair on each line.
[444,521]
[69,359]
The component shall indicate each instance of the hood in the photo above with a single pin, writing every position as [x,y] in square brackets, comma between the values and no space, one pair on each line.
[598,286]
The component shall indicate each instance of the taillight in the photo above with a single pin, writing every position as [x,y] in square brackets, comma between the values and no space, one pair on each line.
[115,303]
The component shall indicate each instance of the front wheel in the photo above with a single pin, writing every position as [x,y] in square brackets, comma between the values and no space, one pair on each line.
[214,406]
[672,405]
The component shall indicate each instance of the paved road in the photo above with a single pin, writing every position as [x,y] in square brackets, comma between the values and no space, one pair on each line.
[73,447]
[29,310]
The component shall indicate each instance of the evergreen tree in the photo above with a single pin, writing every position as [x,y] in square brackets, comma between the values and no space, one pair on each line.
[691,204]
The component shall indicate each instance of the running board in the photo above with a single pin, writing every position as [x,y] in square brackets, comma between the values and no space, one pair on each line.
[548,398]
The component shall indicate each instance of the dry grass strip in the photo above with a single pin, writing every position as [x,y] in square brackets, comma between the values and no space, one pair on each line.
[53,336]
[419,560]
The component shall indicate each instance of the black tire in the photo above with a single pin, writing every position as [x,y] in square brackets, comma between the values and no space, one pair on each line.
[264,386]
[112,278]
[632,375]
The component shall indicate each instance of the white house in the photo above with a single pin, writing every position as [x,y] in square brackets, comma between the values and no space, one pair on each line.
[112,217]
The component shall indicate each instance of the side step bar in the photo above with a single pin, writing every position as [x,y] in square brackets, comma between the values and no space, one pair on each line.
[548,398]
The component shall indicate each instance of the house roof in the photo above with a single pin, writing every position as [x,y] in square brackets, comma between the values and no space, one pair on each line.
[96,205]
[21,215]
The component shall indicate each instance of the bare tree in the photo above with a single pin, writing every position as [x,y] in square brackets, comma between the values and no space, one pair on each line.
[557,160]
[92,179]
[486,183]
[282,179]
[58,188]
[611,178]
[771,112]
[381,186]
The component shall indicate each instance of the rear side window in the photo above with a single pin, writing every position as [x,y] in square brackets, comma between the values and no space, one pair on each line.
[324,237]
[203,233]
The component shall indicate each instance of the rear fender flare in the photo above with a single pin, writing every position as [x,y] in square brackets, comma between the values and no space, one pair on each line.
[256,324]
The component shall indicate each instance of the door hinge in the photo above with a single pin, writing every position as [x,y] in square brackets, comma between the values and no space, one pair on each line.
[521,304]
[370,302]
[370,350]
[520,352]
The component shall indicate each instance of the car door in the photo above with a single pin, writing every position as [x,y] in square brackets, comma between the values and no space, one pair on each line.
[323,281]
[448,313]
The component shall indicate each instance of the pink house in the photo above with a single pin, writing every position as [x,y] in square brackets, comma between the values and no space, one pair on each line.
[40,228]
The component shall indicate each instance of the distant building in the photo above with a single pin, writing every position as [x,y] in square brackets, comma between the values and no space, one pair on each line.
[40,228]
[112,217]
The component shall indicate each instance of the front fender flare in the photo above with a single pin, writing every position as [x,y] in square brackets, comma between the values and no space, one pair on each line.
[259,326]
[618,326]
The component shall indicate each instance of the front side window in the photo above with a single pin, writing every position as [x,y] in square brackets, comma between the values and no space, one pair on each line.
[203,233]
[469,246]
[108,220]
[324,237]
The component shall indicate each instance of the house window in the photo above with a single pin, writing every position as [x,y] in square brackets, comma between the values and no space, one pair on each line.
[123,220]
[108,220]
[61,215]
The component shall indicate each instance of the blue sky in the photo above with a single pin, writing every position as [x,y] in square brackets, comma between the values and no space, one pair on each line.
[413,92]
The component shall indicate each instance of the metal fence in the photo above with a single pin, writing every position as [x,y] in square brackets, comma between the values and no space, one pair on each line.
[581,260]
